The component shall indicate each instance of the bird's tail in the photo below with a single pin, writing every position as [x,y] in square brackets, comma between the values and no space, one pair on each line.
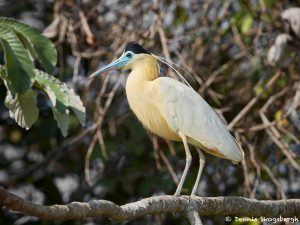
[240,149]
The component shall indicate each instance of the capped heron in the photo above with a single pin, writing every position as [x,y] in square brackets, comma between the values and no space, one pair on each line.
[173,110]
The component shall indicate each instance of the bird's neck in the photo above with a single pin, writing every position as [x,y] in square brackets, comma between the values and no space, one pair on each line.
[139,83]
[144,70]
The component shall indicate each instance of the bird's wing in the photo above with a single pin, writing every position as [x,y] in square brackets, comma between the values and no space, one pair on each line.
[186,111]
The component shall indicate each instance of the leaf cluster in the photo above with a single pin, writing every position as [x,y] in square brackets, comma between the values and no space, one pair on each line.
[23,48]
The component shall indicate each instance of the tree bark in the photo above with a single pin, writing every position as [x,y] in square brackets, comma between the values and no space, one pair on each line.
[190,206]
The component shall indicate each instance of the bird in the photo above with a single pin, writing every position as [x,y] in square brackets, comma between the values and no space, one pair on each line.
[173,110]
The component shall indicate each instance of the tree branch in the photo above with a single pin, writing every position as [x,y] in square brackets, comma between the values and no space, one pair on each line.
[194,217]
[190,206]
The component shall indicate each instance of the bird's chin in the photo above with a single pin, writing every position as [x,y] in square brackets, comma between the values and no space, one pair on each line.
[127,67]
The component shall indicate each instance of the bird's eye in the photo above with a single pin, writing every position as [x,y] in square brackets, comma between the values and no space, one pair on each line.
[128,55]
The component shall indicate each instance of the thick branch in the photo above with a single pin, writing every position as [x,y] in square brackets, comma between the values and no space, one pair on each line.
[208,206]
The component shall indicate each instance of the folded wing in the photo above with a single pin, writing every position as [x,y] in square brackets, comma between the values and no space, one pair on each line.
[186,111]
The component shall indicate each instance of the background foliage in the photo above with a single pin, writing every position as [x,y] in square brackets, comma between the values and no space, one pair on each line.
[23,49]
[224,44]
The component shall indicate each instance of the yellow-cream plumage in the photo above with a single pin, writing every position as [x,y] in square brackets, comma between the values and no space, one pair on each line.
[144,99]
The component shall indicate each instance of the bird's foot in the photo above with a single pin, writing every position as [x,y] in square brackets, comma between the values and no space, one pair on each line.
[193,195]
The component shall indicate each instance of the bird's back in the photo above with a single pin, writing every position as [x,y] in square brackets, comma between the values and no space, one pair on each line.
[186,111]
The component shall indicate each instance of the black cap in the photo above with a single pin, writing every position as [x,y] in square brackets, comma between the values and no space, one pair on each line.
[135,48]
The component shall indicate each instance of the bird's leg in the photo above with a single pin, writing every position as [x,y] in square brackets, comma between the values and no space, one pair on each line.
[201,165]
[187,163]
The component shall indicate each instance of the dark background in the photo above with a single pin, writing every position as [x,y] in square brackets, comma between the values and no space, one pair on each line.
[223,44]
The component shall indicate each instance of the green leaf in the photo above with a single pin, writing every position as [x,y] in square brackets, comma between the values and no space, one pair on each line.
[40,47]
[180,15]
[2,71]
[22,107]
[77,106]
[61,97]
[269,3]
[18,67]
[55,89]
[62,120]
[246,23]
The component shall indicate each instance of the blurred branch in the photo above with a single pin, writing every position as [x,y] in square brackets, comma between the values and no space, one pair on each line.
[194,217]
[274,133]
[274,180]
[90,39]
[222,68]
[190,206]
[253,101]
[169,167]
[255,163]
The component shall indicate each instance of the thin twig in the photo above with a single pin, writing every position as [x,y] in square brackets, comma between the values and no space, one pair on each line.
[169,167]
[155,151]
[274,180]
[257,168]
[87,161]
[90,39]
[252,102]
